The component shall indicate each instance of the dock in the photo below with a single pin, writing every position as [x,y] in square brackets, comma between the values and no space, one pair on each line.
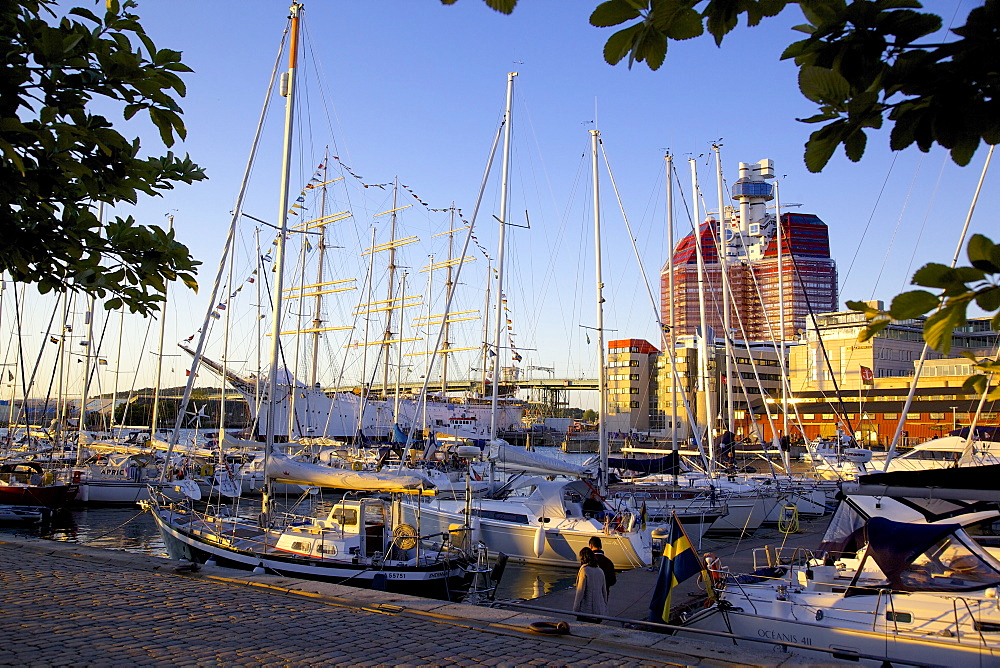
[67,604]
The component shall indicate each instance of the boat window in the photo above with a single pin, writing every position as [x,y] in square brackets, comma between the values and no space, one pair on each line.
[901,617]
[949,566]
[345,516]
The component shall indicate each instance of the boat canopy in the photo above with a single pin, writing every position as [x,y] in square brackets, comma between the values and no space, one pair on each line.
[669,464]
[512,458]
[929,557]
[283,469]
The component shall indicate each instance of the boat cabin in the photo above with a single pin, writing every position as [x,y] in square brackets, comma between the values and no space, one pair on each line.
[353,528]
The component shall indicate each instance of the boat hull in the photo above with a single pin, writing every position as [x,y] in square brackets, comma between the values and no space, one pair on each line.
[519,542]
[884,643]
[441,581]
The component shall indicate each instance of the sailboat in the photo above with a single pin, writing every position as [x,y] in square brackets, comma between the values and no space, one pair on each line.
[900,577]
[362,540]
[532,518]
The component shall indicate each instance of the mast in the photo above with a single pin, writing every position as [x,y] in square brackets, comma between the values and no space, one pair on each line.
[602,436]
[154,420]
[703,339]
[675,446]
[392,288]
[722,242]
[449,287]
[318,303]
[781,327]
[504,193]
[88,320]
[288,90]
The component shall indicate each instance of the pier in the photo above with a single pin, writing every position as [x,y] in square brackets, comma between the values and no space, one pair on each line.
[68,604]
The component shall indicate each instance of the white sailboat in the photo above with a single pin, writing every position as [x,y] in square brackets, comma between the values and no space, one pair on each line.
[897,580]
[362,540]
[532,519]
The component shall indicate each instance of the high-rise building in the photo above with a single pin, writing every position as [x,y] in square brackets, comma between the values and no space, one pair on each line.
[760,310]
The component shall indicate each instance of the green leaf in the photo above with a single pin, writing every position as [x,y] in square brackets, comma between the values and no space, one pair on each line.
[977,385]
[988,299]
[505,6]
[940,326]
[823,85]
[983,254]
[821,145]
[854,145]
[913,304]
[620,44]
[685,25]
[612,13]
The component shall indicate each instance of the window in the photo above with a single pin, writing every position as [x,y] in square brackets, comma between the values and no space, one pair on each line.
[913,416]
[890,416]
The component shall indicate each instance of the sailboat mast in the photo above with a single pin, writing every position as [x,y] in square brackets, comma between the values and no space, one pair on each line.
[88,320]
[504,192]
[781,322]
[709,414]
[288,90]
[392,288]
[318,303]
[602,434]
[154,419]
[723,252]
[672,353]
[449,287]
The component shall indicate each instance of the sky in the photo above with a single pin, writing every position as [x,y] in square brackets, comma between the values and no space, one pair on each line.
[412,91]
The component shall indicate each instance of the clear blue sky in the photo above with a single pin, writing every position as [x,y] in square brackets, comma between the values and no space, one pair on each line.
[413,89]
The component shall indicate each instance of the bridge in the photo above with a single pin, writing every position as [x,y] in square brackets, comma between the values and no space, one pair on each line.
[551,393]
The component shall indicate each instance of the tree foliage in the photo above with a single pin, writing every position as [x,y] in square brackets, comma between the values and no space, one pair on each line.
[959,287]
[61,158]
[863,62]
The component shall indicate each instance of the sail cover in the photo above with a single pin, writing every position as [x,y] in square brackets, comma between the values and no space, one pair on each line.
[283,469]
[515,458]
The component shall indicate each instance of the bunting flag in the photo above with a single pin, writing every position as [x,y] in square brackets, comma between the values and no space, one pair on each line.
[10,375]
[53,339]
[221,306]
[102,362]
[216,315]
[588,339]
[516,357]
[678,563]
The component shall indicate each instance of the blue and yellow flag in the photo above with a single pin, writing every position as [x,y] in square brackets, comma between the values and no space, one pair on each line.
[678,563]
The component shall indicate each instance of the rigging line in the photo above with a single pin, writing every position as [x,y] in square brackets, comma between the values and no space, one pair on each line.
[635,248]
[864,233]
[189,386]
[895,230]
[38,361]
[327,106]
[923,352]
[923,224]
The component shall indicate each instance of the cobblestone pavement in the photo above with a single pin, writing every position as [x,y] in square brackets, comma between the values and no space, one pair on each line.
[68,606]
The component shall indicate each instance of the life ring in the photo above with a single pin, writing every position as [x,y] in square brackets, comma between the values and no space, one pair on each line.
[207,470]
[550,628]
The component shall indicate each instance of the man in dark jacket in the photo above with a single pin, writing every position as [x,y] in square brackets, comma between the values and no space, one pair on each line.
[606,564]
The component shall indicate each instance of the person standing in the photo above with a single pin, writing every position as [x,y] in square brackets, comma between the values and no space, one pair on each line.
[591,590]
[606,564]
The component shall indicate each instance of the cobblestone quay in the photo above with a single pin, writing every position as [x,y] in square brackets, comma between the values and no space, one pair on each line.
[66,604]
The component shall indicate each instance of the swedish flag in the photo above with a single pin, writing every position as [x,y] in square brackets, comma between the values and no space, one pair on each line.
[678,563]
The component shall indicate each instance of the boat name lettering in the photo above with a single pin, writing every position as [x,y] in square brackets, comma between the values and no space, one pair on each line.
[771,634]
